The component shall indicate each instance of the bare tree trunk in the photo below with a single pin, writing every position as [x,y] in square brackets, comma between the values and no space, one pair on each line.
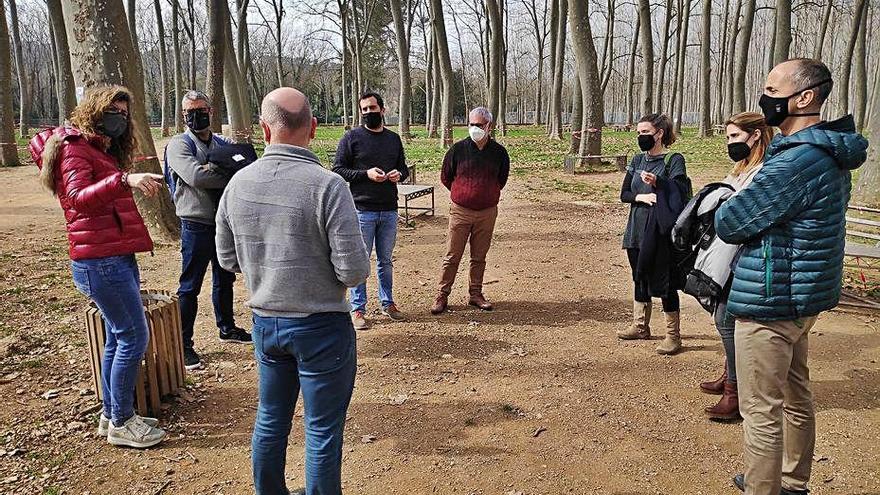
[820,38]
[178,68]
[278,9]
[24,96]
[445,64]
[867,190]
[403,65]
[131,10]
[501,119]
[860,10]
[163,68]
[682,47]
[577,107]
[235,88]
[496,45]
[664,54]
[216,58]
[539,27]
[464,83]
[647,103]
[706,71]
[556,96]
[722,65]
[731,52]
[436,93]
[861,73]
[191,13]
[64,83]
[102,53]
[593,118]
[771,50]
[742,58]
[8,148]
[782,45]
[608,48]
[554,32]
[631,74]
[346,63]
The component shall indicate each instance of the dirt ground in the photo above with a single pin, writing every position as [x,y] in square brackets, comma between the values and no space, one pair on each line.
[537,397]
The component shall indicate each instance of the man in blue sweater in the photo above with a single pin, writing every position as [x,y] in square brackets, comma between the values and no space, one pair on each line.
[790,222]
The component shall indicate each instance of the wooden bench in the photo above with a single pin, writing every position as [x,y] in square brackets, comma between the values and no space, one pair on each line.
[622,127]
[161,372]
[719,129]
[572,161]
[862,247]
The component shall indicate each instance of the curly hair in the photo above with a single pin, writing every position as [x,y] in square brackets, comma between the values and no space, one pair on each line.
[86,118]
[749,122]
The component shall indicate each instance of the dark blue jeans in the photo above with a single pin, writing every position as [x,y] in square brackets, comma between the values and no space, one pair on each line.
[379,228]
[197,250]
[318,355]
[114,284]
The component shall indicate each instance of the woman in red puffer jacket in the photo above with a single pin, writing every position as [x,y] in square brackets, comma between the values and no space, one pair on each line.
[86,167]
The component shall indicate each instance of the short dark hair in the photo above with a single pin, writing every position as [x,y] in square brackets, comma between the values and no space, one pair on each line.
[373,94]
[661,121]
[808,73]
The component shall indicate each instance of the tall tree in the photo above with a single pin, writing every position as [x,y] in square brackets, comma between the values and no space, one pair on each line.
[706,71]
[820,38]
[64,82]
[860,10]
[539,26]
[631,73]
[867,190]
[647,40]
[559,65]
[163,69]
[682,49]
[722,65]
[664,56]
[446,75]
[216,58]
[102,53]
[400,33]
[731,52]
[496,46]
[21,70]
[178,66]
[782,44]
[588,74]
[861,72]
[742,58]
[8,148]
[235,87]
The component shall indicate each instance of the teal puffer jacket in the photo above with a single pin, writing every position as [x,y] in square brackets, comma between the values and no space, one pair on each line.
[791,223]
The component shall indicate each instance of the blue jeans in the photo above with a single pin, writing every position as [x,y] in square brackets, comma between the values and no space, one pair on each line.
[725,323]
[379,228]
[197,250]
[318,355]
[114,284]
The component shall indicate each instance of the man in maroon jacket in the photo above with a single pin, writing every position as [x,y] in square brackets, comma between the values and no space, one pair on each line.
[475,170]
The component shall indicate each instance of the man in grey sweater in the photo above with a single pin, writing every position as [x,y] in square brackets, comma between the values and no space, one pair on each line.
[291,228]
[197,185]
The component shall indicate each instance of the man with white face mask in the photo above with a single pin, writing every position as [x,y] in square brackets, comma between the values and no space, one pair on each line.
[475,170]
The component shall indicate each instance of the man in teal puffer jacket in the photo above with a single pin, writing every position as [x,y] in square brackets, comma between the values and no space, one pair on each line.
[790,223]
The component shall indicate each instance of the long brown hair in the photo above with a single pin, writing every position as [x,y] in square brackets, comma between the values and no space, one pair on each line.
[86,118]
[749,122]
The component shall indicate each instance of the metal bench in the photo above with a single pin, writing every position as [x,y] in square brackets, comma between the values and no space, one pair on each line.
[411,192]
[863,247]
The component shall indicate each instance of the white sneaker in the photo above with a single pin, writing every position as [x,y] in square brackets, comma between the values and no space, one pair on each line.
[135,433]
[104,424]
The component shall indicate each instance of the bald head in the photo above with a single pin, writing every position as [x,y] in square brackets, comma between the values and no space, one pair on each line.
[287,116]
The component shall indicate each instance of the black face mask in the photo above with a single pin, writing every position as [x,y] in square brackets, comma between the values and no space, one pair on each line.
[646,142]
[198,120]
[113,125]
[738,151]
[372,120]
[775,108]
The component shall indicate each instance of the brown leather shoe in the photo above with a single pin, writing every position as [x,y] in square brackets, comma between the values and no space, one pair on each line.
[479,301]
[715,387]
[440,304]
[728,406]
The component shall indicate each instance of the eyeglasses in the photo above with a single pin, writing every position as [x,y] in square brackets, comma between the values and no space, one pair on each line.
[477,124]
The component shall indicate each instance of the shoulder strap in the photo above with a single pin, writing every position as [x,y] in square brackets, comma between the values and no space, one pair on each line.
[667,159]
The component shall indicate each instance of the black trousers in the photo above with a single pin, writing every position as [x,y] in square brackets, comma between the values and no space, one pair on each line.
[670,301]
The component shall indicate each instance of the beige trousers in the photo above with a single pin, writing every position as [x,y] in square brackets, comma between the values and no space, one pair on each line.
[467,225]
[776,403]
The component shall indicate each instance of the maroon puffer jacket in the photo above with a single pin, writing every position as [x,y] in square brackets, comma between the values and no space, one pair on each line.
[102,219]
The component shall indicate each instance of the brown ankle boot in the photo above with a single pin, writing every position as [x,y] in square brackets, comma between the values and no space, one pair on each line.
[715,387]
[728,406]
[479,301]
[440,304]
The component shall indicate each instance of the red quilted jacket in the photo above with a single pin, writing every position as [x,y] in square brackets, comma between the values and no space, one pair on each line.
[102,219]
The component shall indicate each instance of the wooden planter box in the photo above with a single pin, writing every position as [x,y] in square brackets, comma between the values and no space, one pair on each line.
[161,372]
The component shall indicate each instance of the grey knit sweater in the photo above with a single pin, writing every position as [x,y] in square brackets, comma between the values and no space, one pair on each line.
[291,228]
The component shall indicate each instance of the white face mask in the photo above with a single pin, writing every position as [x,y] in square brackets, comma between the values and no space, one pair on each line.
[476,133]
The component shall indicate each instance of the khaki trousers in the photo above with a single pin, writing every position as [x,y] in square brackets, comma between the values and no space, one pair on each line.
[465,224]
[776,403]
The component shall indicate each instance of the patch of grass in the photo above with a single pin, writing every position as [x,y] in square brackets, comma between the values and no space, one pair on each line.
[32,363]
[51,490]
